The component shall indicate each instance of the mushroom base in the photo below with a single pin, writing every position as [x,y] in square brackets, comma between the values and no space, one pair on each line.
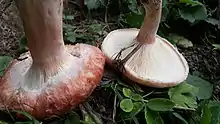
[43,94]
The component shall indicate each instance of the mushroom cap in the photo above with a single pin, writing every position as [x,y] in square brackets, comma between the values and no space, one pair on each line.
[156,65]
[61,92]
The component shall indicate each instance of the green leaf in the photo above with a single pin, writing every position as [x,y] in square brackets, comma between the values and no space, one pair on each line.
[213,21]
[68,17]
[206,115]
[92,4]
[204,87]
[180,117]
[132,5]
[160,104]
[4,62]
[136,97]
[193,13]
[180,40]
[96,28]
[23,44]
[138,106]
[88,116]
[217,46]
[164,3]
[183,96]
[134,20]
[126,105]
[68,27]
[190,2]
[152,117]
[71,38]
[73,118]
[127,92]
[215,111]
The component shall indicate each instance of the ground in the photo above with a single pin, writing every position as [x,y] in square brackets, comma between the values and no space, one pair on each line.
[10,28]
[201,58]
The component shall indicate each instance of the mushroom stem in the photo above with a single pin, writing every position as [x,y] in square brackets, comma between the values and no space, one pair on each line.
[148,30]
[42,21]
[147,33]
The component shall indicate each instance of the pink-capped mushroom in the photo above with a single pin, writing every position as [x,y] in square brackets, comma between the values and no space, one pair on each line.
[52,77]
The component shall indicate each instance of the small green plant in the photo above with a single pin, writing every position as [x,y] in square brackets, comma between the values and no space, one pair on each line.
[4,62]
[185,97]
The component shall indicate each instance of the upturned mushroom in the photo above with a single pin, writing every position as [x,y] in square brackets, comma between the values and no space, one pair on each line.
[143,56]
[51,78]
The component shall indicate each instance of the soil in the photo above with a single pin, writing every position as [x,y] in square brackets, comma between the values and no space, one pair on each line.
[10,28]
[201,58]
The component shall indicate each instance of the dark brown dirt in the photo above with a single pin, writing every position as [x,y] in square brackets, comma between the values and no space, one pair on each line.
[205,60]
[10,28]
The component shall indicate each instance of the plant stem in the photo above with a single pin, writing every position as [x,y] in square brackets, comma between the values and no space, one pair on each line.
[42,21]
[148,30]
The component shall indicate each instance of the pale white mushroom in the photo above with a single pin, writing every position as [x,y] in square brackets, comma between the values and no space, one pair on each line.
[142,55]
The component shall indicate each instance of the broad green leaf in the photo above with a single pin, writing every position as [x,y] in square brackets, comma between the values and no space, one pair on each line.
[73,118]
[95,28]
[164,3]
[71,38]
[136,97]
[4,62]
[23,44]
[180,117]
[68,27]
[152,117]
[88,119]
[217,46]
[160,104]
[215,112]
[138,106]
[183,96]
[68,17]
[190,2]
[204,87]
[127,92]
[132,5]
[206,115]
[126,105]
[134,20]
[213,21]
[193,13]
[180,40]
[92,4]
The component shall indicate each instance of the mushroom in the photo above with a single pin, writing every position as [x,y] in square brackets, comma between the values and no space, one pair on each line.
[51,78]
[144,57]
